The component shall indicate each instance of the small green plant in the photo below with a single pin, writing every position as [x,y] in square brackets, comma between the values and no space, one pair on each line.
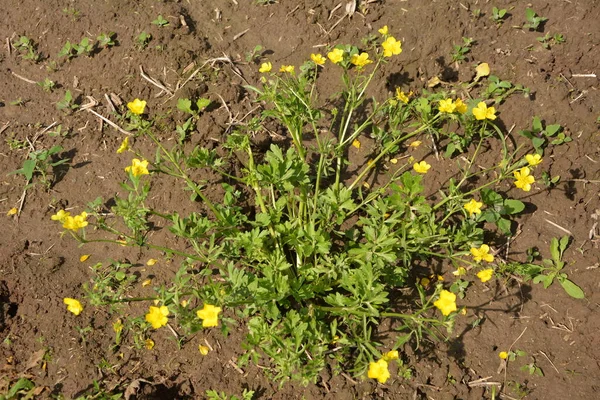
[499,89]
[542,136]
[553,267]
[498,15]
[549,181]
[548,40]
[27,48]
[58,131]
[71,50]
[194,109]
[47,85]
[23,388]
[254,55]
[20,102]
[214,395]
[160,21]
[42,163]
[72,12]
[142,40]
[67,103]
[106,40]
[459,51]
[532,369]
[533,20]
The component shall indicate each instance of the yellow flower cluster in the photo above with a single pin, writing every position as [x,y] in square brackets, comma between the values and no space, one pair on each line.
[450,106]
[72,223]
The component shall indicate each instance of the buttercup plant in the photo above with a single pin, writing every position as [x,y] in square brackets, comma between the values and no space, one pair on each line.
[316,264]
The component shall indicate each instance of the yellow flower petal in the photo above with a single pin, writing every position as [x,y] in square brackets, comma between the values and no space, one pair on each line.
[485,275]
[446,303]
[533,159]
[149,344]
[12,211]
[209,315]
[482,69]
[384,30]
[203,349]
[391,355]
[84,257]
[503,355]
[137,106]
[73,305]
[138,168]
[265,67]
[124,145]
[379,370]
[356,143]
[421,167]
[318,59]
[287,68]
[151,262]
[146,282]
[336,56]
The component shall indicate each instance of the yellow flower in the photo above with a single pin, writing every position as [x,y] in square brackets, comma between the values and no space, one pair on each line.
[209,315]
[73,305]
[137,106]
[533,159]
[157,316]
[459,106]
[473,207]
[360,60]
[146,282]
[84,258]
[318,59]
[446,303]
[203,350]
[415,143]
[138,168]
[391,355]
[118,326]
[149,344]
[482,112]
[460,271]
[265,67]
[400,95]
[447,106]
[421,167]
[124,145]
[485,275]
[75,223]
[503,355]
[356,143]
[336,55]
[482,69]
[482,253]
[12,211]
[60,216]
[384,30]
[379,370]
[287,68]
[524,179]
[391,47]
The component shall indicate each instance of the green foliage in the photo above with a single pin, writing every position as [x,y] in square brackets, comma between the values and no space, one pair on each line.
[542,136]
[460,50]
[214,395]
[67,103]
[27,48]
[498,15]
[41,163]
[21,389]
[142,40]
[47,85]
[160,21]
[107,39]
[72,50]
[533,20]
[548,40]
[254,54]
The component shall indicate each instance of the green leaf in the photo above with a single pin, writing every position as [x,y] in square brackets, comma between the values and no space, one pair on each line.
[185,105]
[571,288]
[22,384]
[552,130]
[512,206]
[202,103]
[504,225]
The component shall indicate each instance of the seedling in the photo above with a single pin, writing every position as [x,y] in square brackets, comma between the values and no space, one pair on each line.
[532,369]
[71,50]
[214,395]
[67,103]
[20,102]
[194,109]
[41,163]
[459,51]
[498,209]
[540,136]
[254,55]
[549,181]
[47,85]
[160,21]
[72,12]
[547,274]
[107,40]
[549,40]
[533,20]
[498,15]
[27,48]
[142,40]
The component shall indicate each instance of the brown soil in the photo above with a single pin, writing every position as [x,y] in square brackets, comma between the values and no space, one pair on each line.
[39,267]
